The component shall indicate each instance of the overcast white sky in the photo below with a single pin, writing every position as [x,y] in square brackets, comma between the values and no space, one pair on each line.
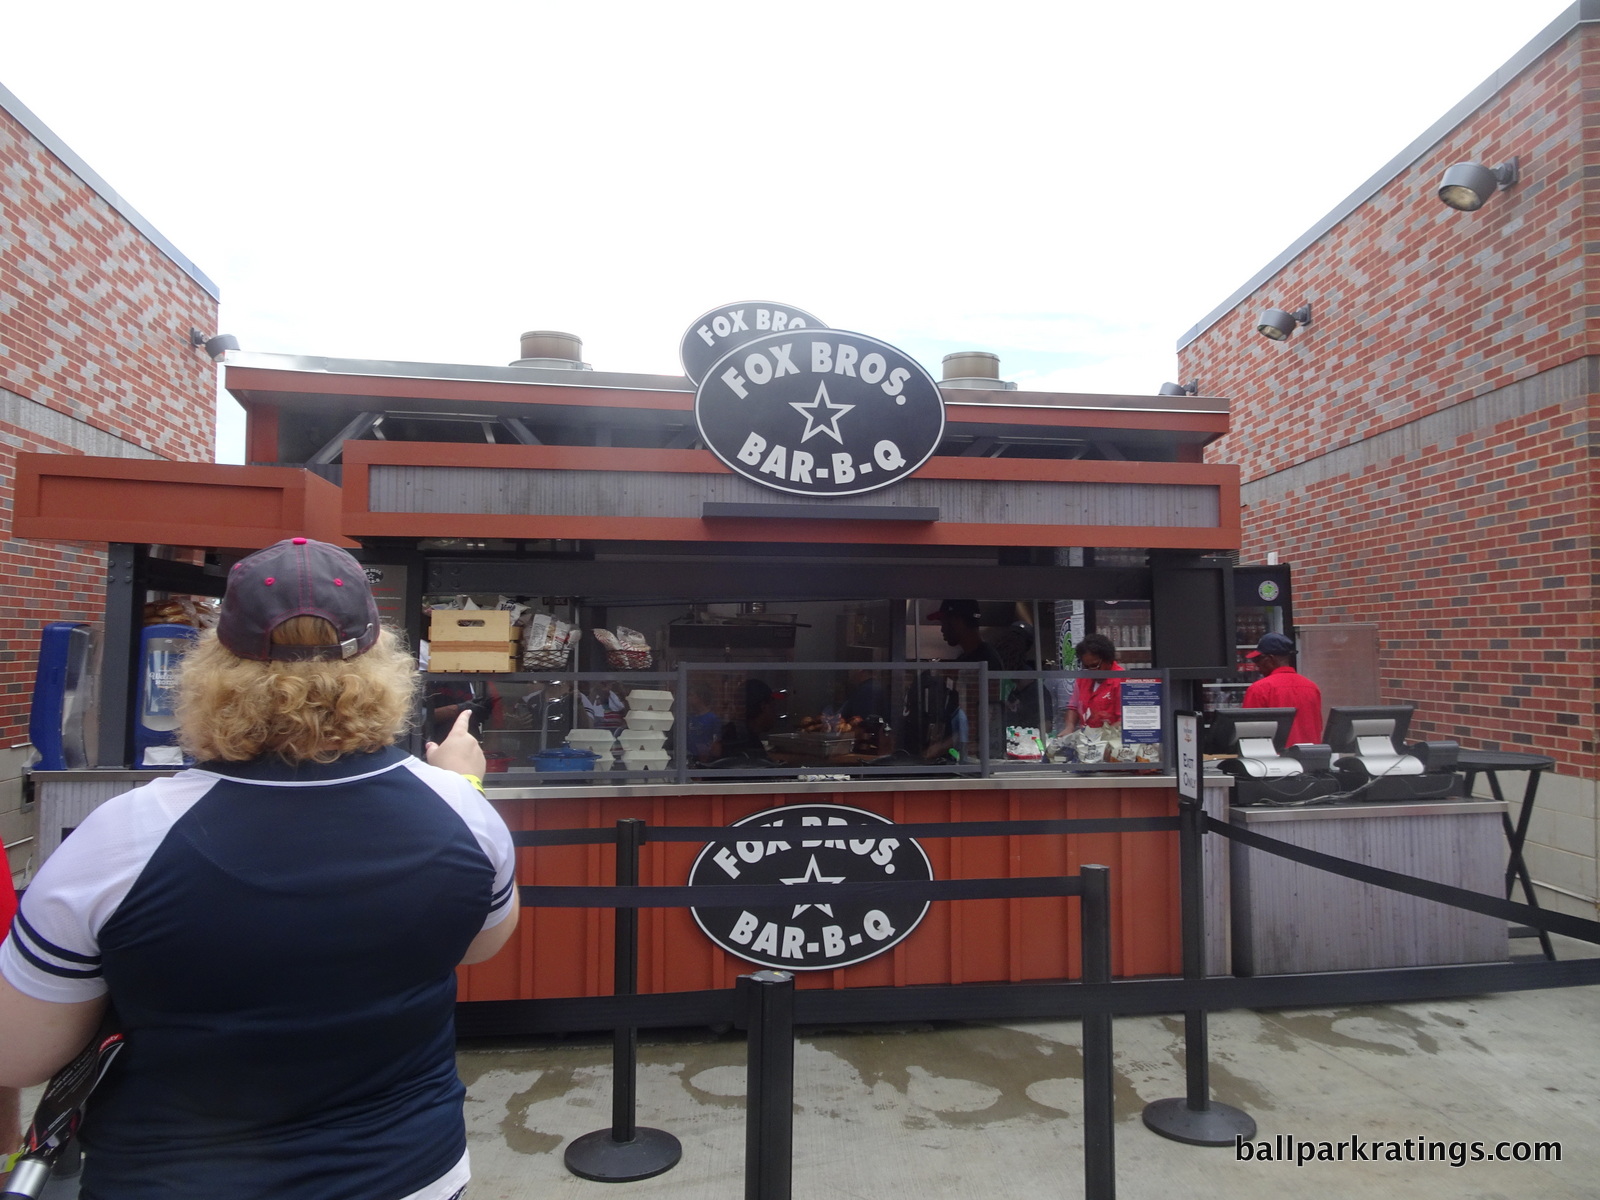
[1070,185]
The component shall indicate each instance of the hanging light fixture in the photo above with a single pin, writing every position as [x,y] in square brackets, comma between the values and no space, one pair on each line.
[1277,324]
[1467,186]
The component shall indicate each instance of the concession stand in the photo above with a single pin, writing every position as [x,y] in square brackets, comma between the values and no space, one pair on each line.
[722,597]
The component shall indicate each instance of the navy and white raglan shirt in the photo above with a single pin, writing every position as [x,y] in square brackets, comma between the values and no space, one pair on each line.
[280,945]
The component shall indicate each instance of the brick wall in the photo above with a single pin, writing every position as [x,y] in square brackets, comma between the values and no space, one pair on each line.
[94,358]
[1421,453]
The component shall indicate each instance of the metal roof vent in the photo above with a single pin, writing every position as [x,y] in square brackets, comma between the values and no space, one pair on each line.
[550,350]
[976,369]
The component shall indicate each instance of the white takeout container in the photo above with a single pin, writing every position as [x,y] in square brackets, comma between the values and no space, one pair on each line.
[646,760]
[641,699]
[642,739]
[598,740]
[639,718]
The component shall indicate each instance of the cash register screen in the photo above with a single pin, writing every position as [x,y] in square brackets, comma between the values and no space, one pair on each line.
[1229,725]
[1346,724]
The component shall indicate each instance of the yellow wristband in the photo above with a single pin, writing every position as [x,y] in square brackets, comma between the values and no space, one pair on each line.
[474,780]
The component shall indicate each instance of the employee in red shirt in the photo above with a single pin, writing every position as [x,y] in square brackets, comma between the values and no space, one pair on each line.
[1281,686]
[1095,702]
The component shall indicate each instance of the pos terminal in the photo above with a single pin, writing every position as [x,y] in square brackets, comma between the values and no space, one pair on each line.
[1265,770]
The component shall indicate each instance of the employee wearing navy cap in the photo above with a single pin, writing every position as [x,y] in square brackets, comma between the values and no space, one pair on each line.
[1281,686]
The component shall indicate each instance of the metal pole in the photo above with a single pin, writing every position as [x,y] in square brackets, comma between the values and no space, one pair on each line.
[1045,723]
[625,971]
[680,724]
[767,1000]
[119,655]
[983,721]
[1099,1147]
[1195,1119]
[624,1152]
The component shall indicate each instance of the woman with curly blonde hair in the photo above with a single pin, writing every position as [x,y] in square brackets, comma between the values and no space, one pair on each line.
[276,928]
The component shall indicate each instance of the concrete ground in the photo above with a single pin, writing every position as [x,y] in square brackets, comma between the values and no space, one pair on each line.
[955,1111]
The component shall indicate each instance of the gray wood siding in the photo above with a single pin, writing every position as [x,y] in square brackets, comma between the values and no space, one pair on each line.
[501,492]
[1289,918]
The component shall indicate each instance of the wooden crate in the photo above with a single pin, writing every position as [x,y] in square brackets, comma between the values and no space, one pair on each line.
[469,656]
[469,625]
[471,640]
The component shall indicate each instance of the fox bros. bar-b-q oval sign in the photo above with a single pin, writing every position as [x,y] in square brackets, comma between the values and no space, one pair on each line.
[715,333]
[812,937]
[820,412]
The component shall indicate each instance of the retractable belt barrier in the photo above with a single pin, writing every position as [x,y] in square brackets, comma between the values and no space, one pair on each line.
[765,1002]
[1426,889]
[767,1005]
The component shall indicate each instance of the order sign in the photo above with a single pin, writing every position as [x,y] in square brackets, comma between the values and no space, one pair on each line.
[820,412]
[812,937]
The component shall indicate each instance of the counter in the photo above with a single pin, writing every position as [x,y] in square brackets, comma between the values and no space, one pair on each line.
[567,952]
[1289,918]
[65,798]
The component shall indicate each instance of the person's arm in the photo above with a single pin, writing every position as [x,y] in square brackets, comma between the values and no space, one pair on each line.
[38,1037]
[460,751]
[488,943]
[1073,715]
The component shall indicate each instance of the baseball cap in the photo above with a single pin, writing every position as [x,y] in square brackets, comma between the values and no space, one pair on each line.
[1274,643]
[297,577]
[955,608]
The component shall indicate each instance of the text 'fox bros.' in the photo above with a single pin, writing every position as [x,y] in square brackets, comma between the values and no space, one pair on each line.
[826,359]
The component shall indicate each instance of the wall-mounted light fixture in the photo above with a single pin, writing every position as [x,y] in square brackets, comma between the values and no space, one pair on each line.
[1467,186]
[1277,324]
[1192,388]
[217,346]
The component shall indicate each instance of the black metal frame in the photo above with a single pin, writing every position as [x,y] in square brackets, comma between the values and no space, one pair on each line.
[985,767]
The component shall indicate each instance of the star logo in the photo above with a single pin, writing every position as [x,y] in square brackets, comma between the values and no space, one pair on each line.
[812,412]
[812,875]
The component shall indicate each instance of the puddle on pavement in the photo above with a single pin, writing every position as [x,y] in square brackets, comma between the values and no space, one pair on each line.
[1342,1028]
[957,1076]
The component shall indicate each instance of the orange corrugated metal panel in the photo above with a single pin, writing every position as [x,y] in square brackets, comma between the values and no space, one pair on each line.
[567,952]
[73,497]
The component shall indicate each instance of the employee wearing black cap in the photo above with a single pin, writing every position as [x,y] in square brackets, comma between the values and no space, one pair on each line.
[1281,686]
[936,706]
[958,622]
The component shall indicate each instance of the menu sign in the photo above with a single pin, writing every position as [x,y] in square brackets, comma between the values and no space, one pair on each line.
[820,412]
[713,334]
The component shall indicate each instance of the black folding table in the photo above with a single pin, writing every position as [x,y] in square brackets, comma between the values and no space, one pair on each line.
[1490,763]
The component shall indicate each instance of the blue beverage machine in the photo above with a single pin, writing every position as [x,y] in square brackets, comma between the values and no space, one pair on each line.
[155,725]
[62,721]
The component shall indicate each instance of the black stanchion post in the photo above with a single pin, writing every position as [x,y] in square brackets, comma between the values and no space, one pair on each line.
[1099,1146]
[767,1001]
[1194,1118]
[625,1151]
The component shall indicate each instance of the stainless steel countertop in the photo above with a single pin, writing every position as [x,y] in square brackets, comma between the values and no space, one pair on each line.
[1341,812]
[846,786]
[103,775]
